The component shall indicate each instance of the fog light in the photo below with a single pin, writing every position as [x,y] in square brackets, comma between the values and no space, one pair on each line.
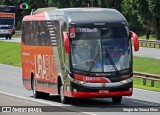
[127,80]
[130,89]
[74,90]
[124,81]
[82,82]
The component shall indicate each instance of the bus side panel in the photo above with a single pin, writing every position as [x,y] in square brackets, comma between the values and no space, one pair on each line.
[40,61]
[40,55]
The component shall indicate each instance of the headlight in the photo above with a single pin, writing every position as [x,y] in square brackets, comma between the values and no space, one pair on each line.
[127,80]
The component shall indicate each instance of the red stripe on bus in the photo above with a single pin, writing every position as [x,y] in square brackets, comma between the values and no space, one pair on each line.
[28,86]
[97,94]
[91,79]
[46,89]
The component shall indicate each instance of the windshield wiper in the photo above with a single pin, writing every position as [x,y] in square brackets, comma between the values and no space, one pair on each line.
[93,63]
[111,61]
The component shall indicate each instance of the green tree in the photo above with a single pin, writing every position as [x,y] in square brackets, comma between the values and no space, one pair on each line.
[116,4]
[147,13]
[154,8]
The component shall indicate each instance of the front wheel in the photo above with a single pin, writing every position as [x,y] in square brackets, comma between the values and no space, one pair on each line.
[117,99]
[64,99]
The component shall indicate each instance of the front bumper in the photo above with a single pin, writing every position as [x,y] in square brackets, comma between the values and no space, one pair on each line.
[89,90]
[5,34]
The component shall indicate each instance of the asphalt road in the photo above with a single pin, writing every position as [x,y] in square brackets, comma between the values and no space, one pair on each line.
[12,40]
[11,85]
[143,52]
[148,52]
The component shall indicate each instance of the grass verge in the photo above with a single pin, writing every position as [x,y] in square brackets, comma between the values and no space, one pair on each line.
[146,65]
[10,53]
[151,37]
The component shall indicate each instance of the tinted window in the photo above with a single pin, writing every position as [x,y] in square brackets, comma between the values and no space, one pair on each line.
[6,21]
[41,33]
[36,33]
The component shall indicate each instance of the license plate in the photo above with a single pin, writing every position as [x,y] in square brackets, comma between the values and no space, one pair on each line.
[3,31]
[104,91]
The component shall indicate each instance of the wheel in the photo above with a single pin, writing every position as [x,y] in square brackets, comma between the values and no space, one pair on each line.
[36,94]
[117,99]
[6,37]
[10,37]
[64,99]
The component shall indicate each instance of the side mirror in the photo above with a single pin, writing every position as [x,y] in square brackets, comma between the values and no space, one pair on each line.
[66,42]
[135,41]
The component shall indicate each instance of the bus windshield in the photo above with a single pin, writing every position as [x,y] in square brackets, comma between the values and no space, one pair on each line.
[6,21]
[101,49]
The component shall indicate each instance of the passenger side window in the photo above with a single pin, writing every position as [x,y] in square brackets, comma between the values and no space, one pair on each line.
[43,34]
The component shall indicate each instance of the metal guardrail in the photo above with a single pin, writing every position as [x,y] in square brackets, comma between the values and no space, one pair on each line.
[149,43]
[17,33]
[146,76]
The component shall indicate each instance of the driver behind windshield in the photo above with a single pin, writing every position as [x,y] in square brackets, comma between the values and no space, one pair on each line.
[83,54]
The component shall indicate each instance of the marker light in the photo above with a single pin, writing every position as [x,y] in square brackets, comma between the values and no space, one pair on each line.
[72,32]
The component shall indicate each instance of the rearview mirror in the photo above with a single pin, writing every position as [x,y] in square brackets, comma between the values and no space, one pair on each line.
[135,41]
[66,42]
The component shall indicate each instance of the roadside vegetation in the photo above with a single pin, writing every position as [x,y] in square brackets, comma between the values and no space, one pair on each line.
[10,55]
[146,65]
[143,36]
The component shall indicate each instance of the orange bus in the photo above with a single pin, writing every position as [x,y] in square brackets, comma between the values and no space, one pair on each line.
[78,53]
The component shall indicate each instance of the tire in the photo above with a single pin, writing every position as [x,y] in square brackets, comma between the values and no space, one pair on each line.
[6,37]
[36,94]
[63,98]
[117,99]
[10,37]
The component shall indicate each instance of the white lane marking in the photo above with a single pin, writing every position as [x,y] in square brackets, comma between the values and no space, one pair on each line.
[13,77]
[146,103]
[34,100]
[147,90]
[43,102]
[88,113]
[10,66]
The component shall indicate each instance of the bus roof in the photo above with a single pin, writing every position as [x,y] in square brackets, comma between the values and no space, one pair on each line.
[88,15]
[39,10]
[80,16]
